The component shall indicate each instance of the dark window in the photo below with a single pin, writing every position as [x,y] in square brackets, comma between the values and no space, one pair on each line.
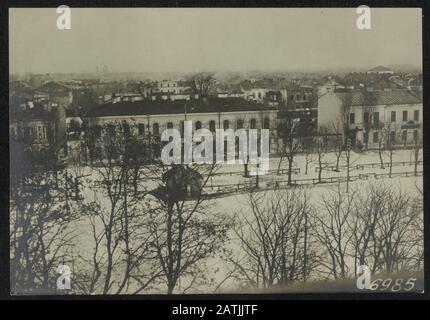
[405,116]
[141,129]
[375,137]
[40,132]
[366,117]
[198,125]
[376,118]
[393,116]
[155,129]
[352,118]
[416,115]
[111,129]
[392,137]
[27,132]
[404,135]
[72,125]
[266,123]
[126,129]
[253,124]
[169,125]
[97,131]
[212,126]
[416,136]
[239,124]
[226,124]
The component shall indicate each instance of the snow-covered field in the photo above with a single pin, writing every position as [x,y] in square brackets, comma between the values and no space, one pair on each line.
[235,202]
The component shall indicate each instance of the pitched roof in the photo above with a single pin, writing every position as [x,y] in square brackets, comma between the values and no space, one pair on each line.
[263,84]
[208,105]
[380,68]
[32,112]
[379,97]
[180,172]
[20,86]
[53,87]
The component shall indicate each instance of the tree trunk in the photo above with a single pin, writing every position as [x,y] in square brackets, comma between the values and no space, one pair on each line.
[306,166]
[319,170]
[380,158]
[417,152]
[391,162]
[279,165]
[290,167]
[245,167]
[337,162]
[347,170]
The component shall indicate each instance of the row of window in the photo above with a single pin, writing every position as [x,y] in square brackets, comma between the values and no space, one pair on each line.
[39,132]
[376,117]
[300,97]
[198,125]
[393,136]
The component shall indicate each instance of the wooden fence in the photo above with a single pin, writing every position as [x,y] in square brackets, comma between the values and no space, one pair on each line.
[282,184]
[368,165]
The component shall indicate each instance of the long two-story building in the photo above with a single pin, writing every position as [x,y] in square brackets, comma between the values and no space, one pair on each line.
[394,116]
[147,117]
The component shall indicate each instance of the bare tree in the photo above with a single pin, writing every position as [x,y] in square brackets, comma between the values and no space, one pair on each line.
[340,127]
[292,134]
[381,146]
[363,224]
[274,239]
[416,235]
[332,230]
[369,106]
[388,140]
[416,151]
[320,143]
[184,233]
[120,239]
[41,237]
[391,250]
[308,152]
[202,83]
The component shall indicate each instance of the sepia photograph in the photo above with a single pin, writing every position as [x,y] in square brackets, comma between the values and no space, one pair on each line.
[215,151]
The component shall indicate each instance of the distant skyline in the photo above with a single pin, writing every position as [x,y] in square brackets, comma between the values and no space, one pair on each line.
[203,39]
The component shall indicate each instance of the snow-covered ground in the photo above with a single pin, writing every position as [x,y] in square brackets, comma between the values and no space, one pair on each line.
[239,202]
[234,202]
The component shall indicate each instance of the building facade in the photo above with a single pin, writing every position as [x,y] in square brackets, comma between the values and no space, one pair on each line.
[150,118]
[39,128]
[388,116]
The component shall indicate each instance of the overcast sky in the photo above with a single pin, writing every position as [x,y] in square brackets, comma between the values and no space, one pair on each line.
[212,39]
